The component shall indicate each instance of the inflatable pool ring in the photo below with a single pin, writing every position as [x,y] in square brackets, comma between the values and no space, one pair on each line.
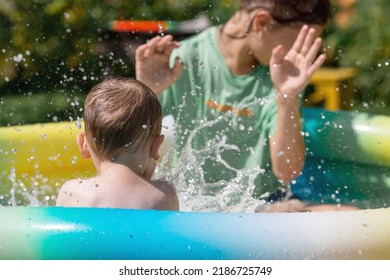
[348,161]
[93,233]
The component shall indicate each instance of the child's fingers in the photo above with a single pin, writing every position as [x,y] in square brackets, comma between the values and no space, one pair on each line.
[152,44]
[177,68]
[317,64]
[308,41]
[277,56]
[297,46]
[169,48]
[313,51]
[140,52]
[162,44]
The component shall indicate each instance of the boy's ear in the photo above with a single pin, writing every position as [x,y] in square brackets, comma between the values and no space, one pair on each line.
[261,20]
[156,143]
[83,145]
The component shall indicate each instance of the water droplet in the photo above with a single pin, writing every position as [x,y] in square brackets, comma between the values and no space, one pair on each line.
[74,160]
[18,58]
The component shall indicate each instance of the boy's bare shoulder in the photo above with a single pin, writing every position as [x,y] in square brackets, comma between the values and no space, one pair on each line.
[65,193]
[169,199]
[72,185]
[70,192]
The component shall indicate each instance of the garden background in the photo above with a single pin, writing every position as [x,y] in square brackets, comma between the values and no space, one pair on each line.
[53,52]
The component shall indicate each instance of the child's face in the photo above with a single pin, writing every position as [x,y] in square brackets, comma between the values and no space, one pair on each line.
[269,38]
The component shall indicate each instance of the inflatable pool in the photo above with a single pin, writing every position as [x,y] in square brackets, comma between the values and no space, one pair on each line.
[79,233]
[348,159]
[348,162]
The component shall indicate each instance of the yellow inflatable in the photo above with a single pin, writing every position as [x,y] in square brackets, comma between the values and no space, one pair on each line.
[44,153]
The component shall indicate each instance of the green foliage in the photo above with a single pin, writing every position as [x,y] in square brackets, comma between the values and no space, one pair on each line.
[365,45]
[40,107]
[58,45]
[50,44]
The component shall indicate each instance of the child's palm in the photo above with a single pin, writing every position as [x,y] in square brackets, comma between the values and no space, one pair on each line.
[292,72]
[152,63]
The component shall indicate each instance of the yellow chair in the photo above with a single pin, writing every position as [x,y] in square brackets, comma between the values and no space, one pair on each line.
[326,82]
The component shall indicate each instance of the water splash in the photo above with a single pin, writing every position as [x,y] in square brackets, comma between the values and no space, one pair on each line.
[184,170]
[181,165]
[37,192]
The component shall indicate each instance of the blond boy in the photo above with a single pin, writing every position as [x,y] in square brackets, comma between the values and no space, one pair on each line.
[122,136]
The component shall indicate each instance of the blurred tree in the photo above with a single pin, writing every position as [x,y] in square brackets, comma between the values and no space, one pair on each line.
[359,36]
[48,44]
[56,45]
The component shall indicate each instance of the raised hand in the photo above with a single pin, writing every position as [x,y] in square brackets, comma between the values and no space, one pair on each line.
[291,72]
[152,63]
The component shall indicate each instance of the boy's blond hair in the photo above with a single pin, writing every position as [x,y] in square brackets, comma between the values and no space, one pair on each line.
[120,114]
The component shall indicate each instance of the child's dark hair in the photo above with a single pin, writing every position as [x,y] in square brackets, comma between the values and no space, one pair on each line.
[120,114]
[292,11]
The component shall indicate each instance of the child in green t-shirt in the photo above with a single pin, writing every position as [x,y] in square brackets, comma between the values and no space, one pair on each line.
[248,73]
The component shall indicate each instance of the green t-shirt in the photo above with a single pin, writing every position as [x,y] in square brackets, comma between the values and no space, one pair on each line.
[231,117]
